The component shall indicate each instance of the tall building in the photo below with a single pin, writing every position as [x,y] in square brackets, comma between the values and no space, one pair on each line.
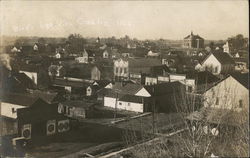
[193,41]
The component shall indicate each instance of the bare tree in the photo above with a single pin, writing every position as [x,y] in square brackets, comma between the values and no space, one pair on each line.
[222,131]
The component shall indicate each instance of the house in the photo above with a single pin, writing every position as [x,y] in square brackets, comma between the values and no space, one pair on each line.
[208,49]
[56,70]
[86,57]
[126,97]
[105,54]
[153,54]
[58,55]
[83,58]
[138,98]
[32,73]
[162,79]
[225,106]
[165,97]
[198,66]
[71,85]
[84,71]
[49,97]
[92,89]
[40,120]
[200,54]
[76,109]
[226,48]
[241,64]
[231,93]
[150,80]
[193,41]
[16,82]
[12,102]
[202,80]
[218,63]
[178,63]
[95,73]
[35,47]
[123,67]
[137,77]
[114,53]
[15,50]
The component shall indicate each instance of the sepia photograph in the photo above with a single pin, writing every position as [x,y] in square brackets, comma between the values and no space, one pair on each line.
[124,79]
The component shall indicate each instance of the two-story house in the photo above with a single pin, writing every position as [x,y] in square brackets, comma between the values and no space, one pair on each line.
[226,104]
[123,67]
[218,63]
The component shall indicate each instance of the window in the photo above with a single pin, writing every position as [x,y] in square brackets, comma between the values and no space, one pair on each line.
[116,69]
[125,70]
[217,101]
[190,89]
[64,109]
[13,110]
[240,103]
[216,69]
[120,103]
[213,92]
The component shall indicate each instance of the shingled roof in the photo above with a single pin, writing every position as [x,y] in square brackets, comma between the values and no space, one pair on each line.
[193,36]
[129,88]
[18,98]
[223,58]
[242,78]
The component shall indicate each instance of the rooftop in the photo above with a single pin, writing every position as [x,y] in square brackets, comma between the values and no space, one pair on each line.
[223,58]
[242,78]
[144,62]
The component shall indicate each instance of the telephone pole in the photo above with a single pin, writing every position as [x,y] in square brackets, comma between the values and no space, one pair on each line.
[153,110]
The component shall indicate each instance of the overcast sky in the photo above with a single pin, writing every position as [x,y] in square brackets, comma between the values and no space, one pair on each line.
[143,20]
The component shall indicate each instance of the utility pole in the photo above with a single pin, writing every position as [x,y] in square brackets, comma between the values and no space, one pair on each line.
[153,111]
[116,100]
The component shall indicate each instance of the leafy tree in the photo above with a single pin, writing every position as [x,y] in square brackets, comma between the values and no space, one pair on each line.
[76,43]
[238,42]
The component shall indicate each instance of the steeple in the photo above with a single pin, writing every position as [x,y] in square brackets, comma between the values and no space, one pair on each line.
[191,33]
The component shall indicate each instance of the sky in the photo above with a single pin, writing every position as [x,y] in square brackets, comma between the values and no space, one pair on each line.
[214,20]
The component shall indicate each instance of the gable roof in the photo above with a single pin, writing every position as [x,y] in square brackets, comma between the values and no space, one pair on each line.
[128,88]
[101,83]
[16,82]
[223,58]
[18,98]
[49,97]
[193,36]
[242,78]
